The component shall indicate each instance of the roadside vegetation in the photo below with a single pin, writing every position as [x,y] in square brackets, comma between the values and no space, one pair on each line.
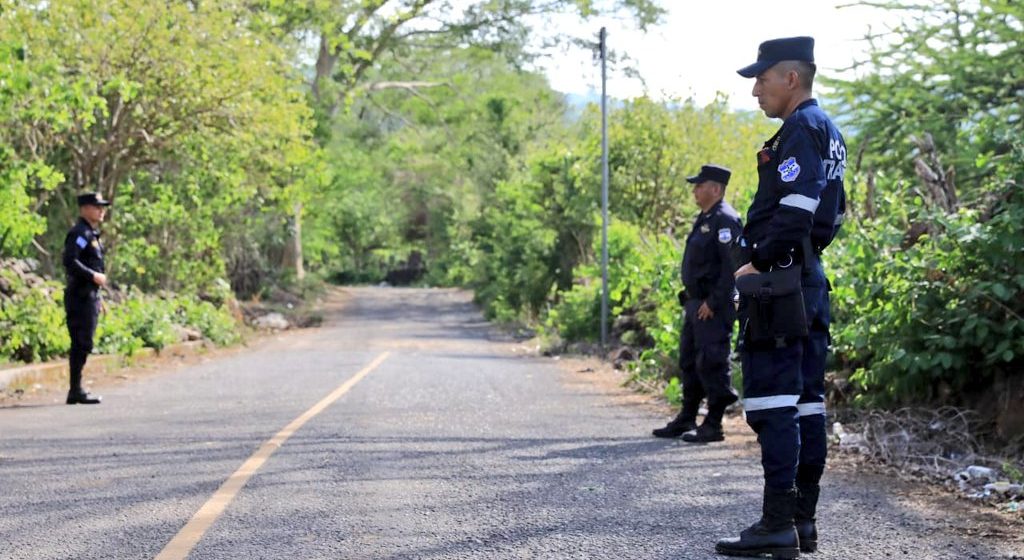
[239,143]
[253,148]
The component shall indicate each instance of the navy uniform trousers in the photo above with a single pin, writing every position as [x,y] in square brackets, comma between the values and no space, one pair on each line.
[83,315]
[784,393]
[704,357]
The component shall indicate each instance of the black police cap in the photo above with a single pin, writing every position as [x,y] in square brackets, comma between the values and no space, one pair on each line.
[775,51]
[92,199]
[715,173]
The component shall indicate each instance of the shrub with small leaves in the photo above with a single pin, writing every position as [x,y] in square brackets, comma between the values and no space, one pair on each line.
[135,323]
[142,321]
[32,326]
[215,323]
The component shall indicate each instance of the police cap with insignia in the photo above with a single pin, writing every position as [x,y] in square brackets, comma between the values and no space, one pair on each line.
[715,173]
[92,199]
[775,51]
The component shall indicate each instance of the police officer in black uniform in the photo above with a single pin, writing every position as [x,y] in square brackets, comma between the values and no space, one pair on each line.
[83,265]
[795,214]
[709,312]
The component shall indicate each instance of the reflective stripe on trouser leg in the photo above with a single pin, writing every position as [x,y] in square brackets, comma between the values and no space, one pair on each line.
[771,389]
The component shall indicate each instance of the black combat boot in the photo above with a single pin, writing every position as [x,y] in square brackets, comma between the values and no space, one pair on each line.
[679,425]
[76,395]
[706,433]
[806,504]
[711,429]
[774,534]
[81,397]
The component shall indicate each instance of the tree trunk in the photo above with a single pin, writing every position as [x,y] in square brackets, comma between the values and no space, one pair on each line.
[292,257]
[940,185]
[869,198]
[293,251]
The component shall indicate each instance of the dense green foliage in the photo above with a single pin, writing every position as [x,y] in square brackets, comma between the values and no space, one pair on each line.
[941,316]
[244,143]
[31,320]
[142,321]
[929,299]
[536,238]
[214,128]
[183,116]
[32,324]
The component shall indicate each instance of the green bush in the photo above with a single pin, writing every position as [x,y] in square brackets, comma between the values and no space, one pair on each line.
[215,323]
[944,315]
[643,276]
[142,321]
[218,293]
[135,323]
[577,316]
[644,280]
[516,276]
[674,392]
[32,326]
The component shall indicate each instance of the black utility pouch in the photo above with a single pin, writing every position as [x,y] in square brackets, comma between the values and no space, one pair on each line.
[775,310]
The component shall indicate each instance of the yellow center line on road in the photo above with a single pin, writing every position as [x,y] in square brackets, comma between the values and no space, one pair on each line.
[189,535]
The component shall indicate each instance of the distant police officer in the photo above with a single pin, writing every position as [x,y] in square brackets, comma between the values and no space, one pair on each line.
[795,214]
[83,264]
[709,313]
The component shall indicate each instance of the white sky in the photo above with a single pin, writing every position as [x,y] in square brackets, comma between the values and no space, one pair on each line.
[701,44]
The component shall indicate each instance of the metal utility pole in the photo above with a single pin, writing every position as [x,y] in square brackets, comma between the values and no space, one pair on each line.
[604,189]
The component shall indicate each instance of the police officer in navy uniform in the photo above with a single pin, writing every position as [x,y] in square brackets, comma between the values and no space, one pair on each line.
[709,313]
[795,214]
[83,265]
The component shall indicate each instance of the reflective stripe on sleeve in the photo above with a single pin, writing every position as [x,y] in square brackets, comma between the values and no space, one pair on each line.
[765,403]
[811,408]
[800,201]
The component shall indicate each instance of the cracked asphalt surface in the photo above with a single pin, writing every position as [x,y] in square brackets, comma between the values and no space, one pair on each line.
[456,446]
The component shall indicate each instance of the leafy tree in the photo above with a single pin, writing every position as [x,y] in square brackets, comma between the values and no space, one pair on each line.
[36,106]
[177,112]
[413,169]
[654,146]
[354,38]
[929,280]
[950,70]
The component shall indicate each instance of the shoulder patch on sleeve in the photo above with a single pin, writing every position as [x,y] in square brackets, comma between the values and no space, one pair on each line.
[81,242]
[789,170]
[724,235]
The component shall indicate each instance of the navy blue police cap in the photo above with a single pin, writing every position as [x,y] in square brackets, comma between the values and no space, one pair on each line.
[92,199]
[775,51]
[711,172]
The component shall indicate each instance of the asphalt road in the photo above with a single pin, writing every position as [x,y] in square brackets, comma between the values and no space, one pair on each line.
[454,446]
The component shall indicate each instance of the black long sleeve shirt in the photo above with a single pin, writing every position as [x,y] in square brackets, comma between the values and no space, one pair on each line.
[707,269]
[83,257]
[801,172]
